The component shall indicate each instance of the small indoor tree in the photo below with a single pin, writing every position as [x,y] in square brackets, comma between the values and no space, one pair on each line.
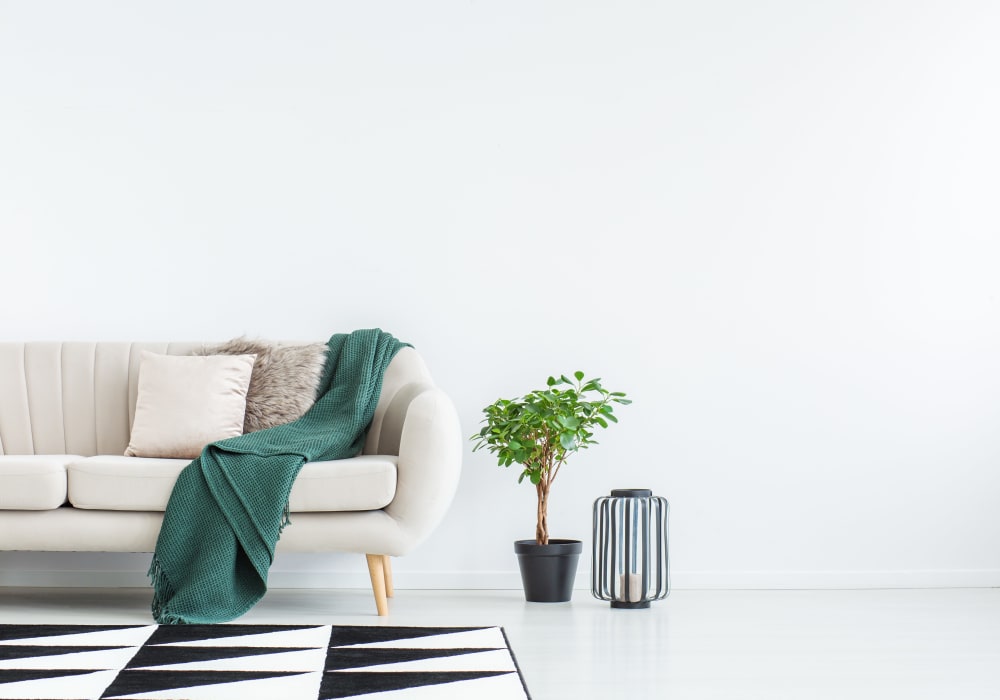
[540,430]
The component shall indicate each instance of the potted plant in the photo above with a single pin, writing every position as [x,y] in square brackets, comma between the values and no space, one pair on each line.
[538,432]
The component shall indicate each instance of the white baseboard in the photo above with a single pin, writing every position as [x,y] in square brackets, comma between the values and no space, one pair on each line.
[837,580]
[680,580]
[510,580]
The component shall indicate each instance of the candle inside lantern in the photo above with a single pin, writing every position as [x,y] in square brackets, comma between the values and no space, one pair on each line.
[634,583]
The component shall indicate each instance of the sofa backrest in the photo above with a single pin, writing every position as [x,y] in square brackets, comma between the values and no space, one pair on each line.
[79,398]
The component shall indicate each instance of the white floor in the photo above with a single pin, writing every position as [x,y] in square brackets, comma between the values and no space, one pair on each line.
[695,645]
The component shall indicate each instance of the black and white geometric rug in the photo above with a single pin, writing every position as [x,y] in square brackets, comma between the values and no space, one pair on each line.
[276,662]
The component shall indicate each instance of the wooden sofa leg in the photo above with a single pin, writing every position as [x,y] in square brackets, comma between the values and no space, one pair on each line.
[387,568]
[376,571]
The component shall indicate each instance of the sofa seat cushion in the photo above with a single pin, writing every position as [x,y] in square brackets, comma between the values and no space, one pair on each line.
[33,482]
[117,482]
[366,482]
[114,482]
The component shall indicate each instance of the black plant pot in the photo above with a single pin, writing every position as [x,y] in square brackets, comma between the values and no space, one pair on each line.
[548,571]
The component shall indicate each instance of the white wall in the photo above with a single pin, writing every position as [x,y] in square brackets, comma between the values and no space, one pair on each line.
[774,224]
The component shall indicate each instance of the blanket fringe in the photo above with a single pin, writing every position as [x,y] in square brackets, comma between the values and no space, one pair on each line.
[286,518]
[163,591]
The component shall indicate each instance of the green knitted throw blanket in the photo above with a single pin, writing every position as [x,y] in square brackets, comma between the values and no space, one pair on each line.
[229,505]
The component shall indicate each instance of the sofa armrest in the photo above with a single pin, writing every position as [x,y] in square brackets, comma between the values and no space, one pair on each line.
[430,463]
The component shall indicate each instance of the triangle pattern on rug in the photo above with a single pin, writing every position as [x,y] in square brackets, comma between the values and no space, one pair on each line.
[481,638]
[243,662]
[18,632]
[130,681]
[54,684]
[19,675]
[296,660]
[80,658]
[76,635]
[475,660]
[348,684]
[293,687]
[355,635]
[498,687]
[23,651]
[300,636]
[351,657]
[65,661]
[151,656]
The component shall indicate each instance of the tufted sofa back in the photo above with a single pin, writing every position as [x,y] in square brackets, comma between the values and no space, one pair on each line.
[79,398]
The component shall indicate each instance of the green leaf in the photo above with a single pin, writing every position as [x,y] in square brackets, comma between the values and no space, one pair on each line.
[550,381]
[536,478]
[567,440]
[579,375]
[569,422]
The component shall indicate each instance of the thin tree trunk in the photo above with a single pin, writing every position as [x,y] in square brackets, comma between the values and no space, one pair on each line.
[542,528]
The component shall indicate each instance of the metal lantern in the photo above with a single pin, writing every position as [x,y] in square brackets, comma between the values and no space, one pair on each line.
[630,565]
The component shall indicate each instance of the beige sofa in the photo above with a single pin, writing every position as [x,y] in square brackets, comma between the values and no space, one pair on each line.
[65,484]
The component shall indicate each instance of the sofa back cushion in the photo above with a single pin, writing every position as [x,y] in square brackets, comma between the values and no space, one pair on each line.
[71,398]
[79,398]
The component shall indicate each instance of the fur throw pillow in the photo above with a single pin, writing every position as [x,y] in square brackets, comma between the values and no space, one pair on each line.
[284,380]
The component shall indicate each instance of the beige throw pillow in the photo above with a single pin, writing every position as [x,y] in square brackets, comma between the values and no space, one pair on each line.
[284,382]
[185,402]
